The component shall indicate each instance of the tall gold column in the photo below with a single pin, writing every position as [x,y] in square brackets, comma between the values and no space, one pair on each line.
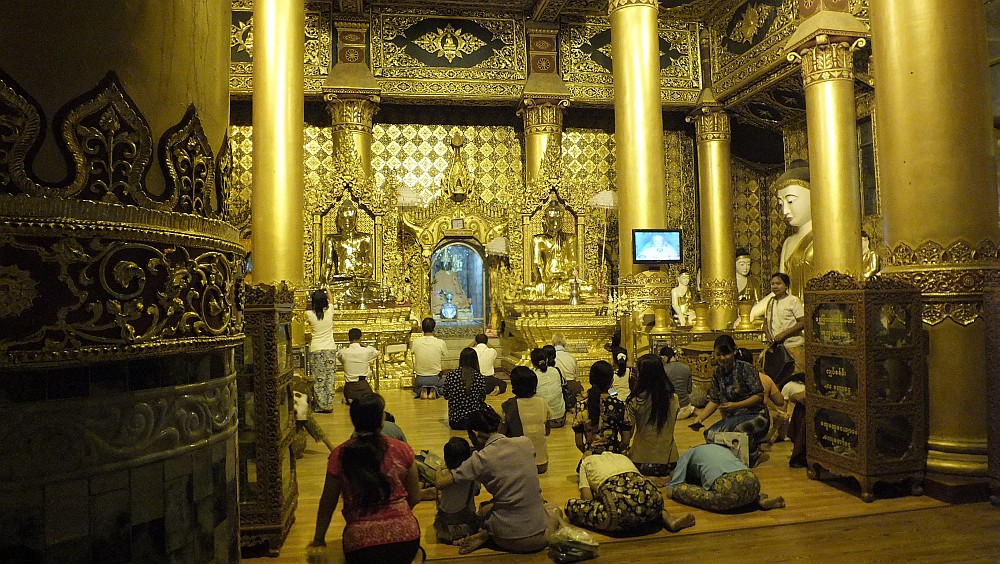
[278,118]
[718,275]
[352,94]
[545,98]
[825,43]
[939,201]
[638,122]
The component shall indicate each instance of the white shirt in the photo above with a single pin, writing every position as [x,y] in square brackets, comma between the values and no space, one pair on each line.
[782,314]
[356,361]
[322,339]
[565,363]
[486,358]
[550,389]
[598,468]
[428,351]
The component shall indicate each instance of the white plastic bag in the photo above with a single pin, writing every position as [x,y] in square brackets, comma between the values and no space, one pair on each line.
[572,544]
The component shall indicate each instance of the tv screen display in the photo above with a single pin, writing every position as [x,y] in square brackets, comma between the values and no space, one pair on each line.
[656,246]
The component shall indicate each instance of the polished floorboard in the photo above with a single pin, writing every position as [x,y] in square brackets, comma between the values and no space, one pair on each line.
[824,521]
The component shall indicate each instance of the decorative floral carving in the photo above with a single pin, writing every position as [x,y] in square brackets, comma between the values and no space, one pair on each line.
[751,23]
[720,294]
[833,280]
[951,278]
[188,165]
[134,289]
[87,435]
[17,291]
[449,43]
[20,125]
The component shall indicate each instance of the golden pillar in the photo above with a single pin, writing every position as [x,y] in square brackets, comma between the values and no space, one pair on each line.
[352,94]
[278,118]
[825,43]
[638,122]
[718,275]
[543,119]
[939,201]
[545,99]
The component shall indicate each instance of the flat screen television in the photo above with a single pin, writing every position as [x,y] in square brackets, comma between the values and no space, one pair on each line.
[657,246]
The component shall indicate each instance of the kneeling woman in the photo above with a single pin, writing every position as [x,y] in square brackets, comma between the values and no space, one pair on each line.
[738,393]
[710,477]
[378,479]
[615,497]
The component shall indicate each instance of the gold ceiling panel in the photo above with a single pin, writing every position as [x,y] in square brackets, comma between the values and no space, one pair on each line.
[585,61]
[748,40]
[422,54]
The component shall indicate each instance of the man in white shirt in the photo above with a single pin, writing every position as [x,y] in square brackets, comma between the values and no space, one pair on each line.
[356,361]
[428,351]
[487,356]
[783,322]
[567,367]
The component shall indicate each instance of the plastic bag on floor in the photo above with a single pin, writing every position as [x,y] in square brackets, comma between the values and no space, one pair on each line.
[572,544]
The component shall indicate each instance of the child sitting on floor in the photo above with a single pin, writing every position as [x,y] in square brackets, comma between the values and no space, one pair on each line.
[527,414]
[456,504]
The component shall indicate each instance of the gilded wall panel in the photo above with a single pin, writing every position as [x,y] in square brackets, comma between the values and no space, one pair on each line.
[319,42]
[759,227]
[748,40]
[682,193]
[586,66]
[241,143]
[439,55]
[796,141]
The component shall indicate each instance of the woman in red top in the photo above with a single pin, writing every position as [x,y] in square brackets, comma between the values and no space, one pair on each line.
[378,479]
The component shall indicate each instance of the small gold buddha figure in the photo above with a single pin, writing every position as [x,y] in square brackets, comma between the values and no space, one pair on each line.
[748,288]
[870,263]
[348,252]
[553,256]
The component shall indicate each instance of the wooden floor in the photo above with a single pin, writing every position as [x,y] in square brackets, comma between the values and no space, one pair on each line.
[823,521]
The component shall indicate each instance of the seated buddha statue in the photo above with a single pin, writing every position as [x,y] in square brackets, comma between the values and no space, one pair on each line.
[348,253]
[554,257]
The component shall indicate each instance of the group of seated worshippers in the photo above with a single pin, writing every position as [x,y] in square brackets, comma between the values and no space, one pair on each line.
[630,464]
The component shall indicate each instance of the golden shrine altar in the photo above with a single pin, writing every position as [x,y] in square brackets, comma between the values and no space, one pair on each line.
[587,328]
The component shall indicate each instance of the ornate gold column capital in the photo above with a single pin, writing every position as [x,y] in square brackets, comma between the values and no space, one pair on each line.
[827,58]
[711,126]
[542,115]
[352,113]
[951,278]
[614,5]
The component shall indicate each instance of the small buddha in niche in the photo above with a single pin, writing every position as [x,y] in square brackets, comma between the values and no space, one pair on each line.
[870,263]
[348,253]
[748,286]
[681,300]
[553,256]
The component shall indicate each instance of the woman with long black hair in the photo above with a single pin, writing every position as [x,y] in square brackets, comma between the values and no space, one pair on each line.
[652,410]
[465,389]
[322,352]
[378,480]
[600,423]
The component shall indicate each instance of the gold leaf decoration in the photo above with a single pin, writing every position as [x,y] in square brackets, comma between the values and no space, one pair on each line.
[449,43]
[753,20]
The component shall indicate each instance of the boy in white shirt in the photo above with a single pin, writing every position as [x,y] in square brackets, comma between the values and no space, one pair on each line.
[356,361]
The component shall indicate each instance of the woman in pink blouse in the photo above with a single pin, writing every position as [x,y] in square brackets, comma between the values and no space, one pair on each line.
[378,479]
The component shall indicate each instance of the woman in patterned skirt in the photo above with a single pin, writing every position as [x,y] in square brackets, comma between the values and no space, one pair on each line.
[710,477]
[616,498]
[465,389]
[322,352]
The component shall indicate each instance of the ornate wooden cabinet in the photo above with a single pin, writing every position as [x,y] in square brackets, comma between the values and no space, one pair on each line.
[268,489]
[866,381]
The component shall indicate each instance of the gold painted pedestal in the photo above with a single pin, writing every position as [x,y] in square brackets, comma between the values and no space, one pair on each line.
[388,330]
[587,328]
